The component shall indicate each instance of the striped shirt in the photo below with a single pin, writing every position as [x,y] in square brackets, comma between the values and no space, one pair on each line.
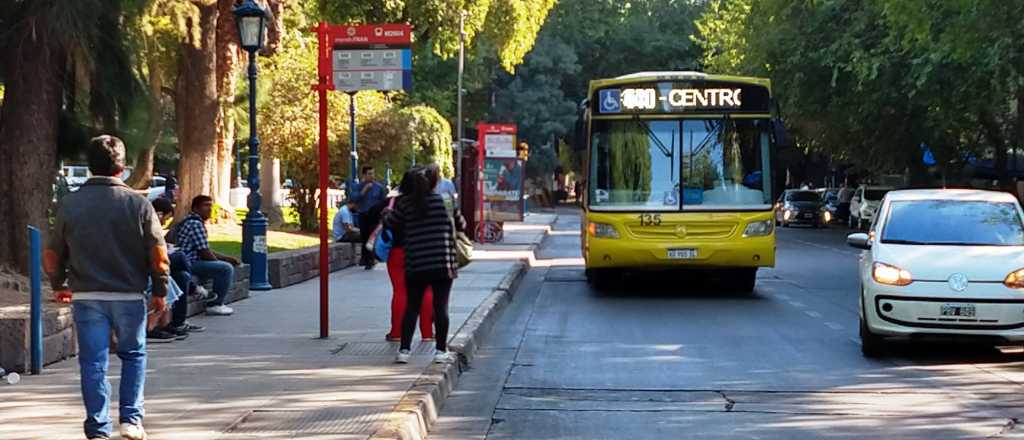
[429,239]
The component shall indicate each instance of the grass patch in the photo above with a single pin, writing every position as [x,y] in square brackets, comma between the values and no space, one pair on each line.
[229,242]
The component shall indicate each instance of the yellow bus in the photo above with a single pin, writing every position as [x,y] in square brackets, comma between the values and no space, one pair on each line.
[679,175]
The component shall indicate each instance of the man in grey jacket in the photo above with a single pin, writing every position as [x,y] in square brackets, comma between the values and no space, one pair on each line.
[107,246]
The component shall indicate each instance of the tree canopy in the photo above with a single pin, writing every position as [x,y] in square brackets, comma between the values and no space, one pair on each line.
[873,82]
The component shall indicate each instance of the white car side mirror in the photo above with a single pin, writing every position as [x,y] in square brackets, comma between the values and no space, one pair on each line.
[859,241]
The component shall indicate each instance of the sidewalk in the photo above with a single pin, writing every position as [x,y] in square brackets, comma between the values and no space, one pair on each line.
[262,373]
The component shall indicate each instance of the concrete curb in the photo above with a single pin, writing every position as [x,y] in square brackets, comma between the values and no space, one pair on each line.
[420,407]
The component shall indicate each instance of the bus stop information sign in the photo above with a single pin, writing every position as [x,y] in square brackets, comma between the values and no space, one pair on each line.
[372,57]
[350,58]
[501,185]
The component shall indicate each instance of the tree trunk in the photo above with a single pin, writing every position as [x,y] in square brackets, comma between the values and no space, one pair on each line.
[275,27]
[227,82]
[143,172]
[197,108]
[270,189]
[28,137]
[222,179]
[994,133]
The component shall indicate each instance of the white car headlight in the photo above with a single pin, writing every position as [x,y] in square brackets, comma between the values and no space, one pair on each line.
[602,230]
[759,229]
[890,275]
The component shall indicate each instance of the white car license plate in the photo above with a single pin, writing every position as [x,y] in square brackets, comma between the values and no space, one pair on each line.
[808,215]
[682,254]
[961,310]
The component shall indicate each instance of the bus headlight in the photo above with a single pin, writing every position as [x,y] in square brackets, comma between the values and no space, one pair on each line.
[759,229]
[602,230]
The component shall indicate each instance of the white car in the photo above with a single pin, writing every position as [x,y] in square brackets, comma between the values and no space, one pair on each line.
[864,205]
[156,188]
[942,263]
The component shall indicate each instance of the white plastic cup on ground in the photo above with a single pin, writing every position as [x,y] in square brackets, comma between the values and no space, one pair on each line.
[13,378]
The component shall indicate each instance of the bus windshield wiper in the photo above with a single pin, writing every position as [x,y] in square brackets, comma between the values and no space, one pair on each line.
[712,133]
[654,137]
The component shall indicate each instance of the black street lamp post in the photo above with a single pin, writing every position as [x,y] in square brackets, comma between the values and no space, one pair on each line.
[251,19]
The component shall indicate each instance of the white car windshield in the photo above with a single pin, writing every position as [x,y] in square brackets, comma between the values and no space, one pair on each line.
[953,222]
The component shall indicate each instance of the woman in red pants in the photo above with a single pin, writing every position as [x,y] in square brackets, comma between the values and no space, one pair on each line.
[396,270]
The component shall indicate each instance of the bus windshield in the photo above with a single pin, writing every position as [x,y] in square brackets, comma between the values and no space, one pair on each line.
[683,164]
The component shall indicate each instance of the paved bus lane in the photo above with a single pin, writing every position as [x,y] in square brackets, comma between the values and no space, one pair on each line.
[664,357]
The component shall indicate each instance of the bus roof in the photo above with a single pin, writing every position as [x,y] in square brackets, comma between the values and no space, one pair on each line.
[675,76]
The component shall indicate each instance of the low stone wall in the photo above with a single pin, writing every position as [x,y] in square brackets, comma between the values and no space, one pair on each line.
[293,267]
[59,340]
[16,336]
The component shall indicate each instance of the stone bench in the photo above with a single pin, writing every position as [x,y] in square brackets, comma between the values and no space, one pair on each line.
[293,267]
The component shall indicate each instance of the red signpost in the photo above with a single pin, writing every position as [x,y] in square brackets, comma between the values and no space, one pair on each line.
[370,58]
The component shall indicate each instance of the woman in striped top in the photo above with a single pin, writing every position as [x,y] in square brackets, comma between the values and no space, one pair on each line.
[430,260]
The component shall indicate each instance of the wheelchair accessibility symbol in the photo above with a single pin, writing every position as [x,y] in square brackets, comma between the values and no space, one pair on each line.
[609,100]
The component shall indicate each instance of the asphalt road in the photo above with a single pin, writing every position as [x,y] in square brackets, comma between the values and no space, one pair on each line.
[664,357]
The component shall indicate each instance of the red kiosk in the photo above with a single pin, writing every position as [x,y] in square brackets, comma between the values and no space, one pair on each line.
[500,182]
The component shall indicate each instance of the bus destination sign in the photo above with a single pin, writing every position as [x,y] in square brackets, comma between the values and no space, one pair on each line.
[682,98]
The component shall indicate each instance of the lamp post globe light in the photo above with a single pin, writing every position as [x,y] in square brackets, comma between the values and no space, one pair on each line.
[251,21]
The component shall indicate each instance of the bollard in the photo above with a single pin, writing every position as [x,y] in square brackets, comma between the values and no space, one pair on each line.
[35,269]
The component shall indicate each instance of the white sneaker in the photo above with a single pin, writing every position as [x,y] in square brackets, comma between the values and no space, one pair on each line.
[132,432]
[403,357]
[219,310]
[204,294]
[443,357]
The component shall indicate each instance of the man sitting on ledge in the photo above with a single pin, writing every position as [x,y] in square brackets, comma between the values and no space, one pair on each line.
[191,239]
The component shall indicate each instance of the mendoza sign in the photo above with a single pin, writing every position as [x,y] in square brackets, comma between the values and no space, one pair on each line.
[372,57]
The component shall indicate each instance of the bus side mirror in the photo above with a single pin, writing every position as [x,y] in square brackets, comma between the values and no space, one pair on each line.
[579,138]
[781,135]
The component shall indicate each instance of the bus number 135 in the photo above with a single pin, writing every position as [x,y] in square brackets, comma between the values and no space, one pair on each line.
[650,219]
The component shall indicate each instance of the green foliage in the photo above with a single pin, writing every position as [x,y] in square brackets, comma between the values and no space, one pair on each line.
[542,162]
[400,138]
[508,27]
[584,40]
[870,81]
[569,159]
[388,134]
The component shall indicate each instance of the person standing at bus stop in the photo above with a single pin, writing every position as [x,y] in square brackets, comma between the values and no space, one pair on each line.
[107,245]
[367,194]
[396,269]
[430,259]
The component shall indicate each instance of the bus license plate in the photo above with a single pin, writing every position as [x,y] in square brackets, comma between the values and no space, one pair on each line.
[682,254]
[961,310]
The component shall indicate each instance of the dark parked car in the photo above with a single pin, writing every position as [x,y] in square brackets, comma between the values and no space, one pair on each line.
[800,207]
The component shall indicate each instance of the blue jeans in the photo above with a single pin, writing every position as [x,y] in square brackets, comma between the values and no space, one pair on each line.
[93,321]
[181,272]
[222,274]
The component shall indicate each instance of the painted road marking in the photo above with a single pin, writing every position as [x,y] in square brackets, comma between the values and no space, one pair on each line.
[834,326]
[796,304]
[813,314]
